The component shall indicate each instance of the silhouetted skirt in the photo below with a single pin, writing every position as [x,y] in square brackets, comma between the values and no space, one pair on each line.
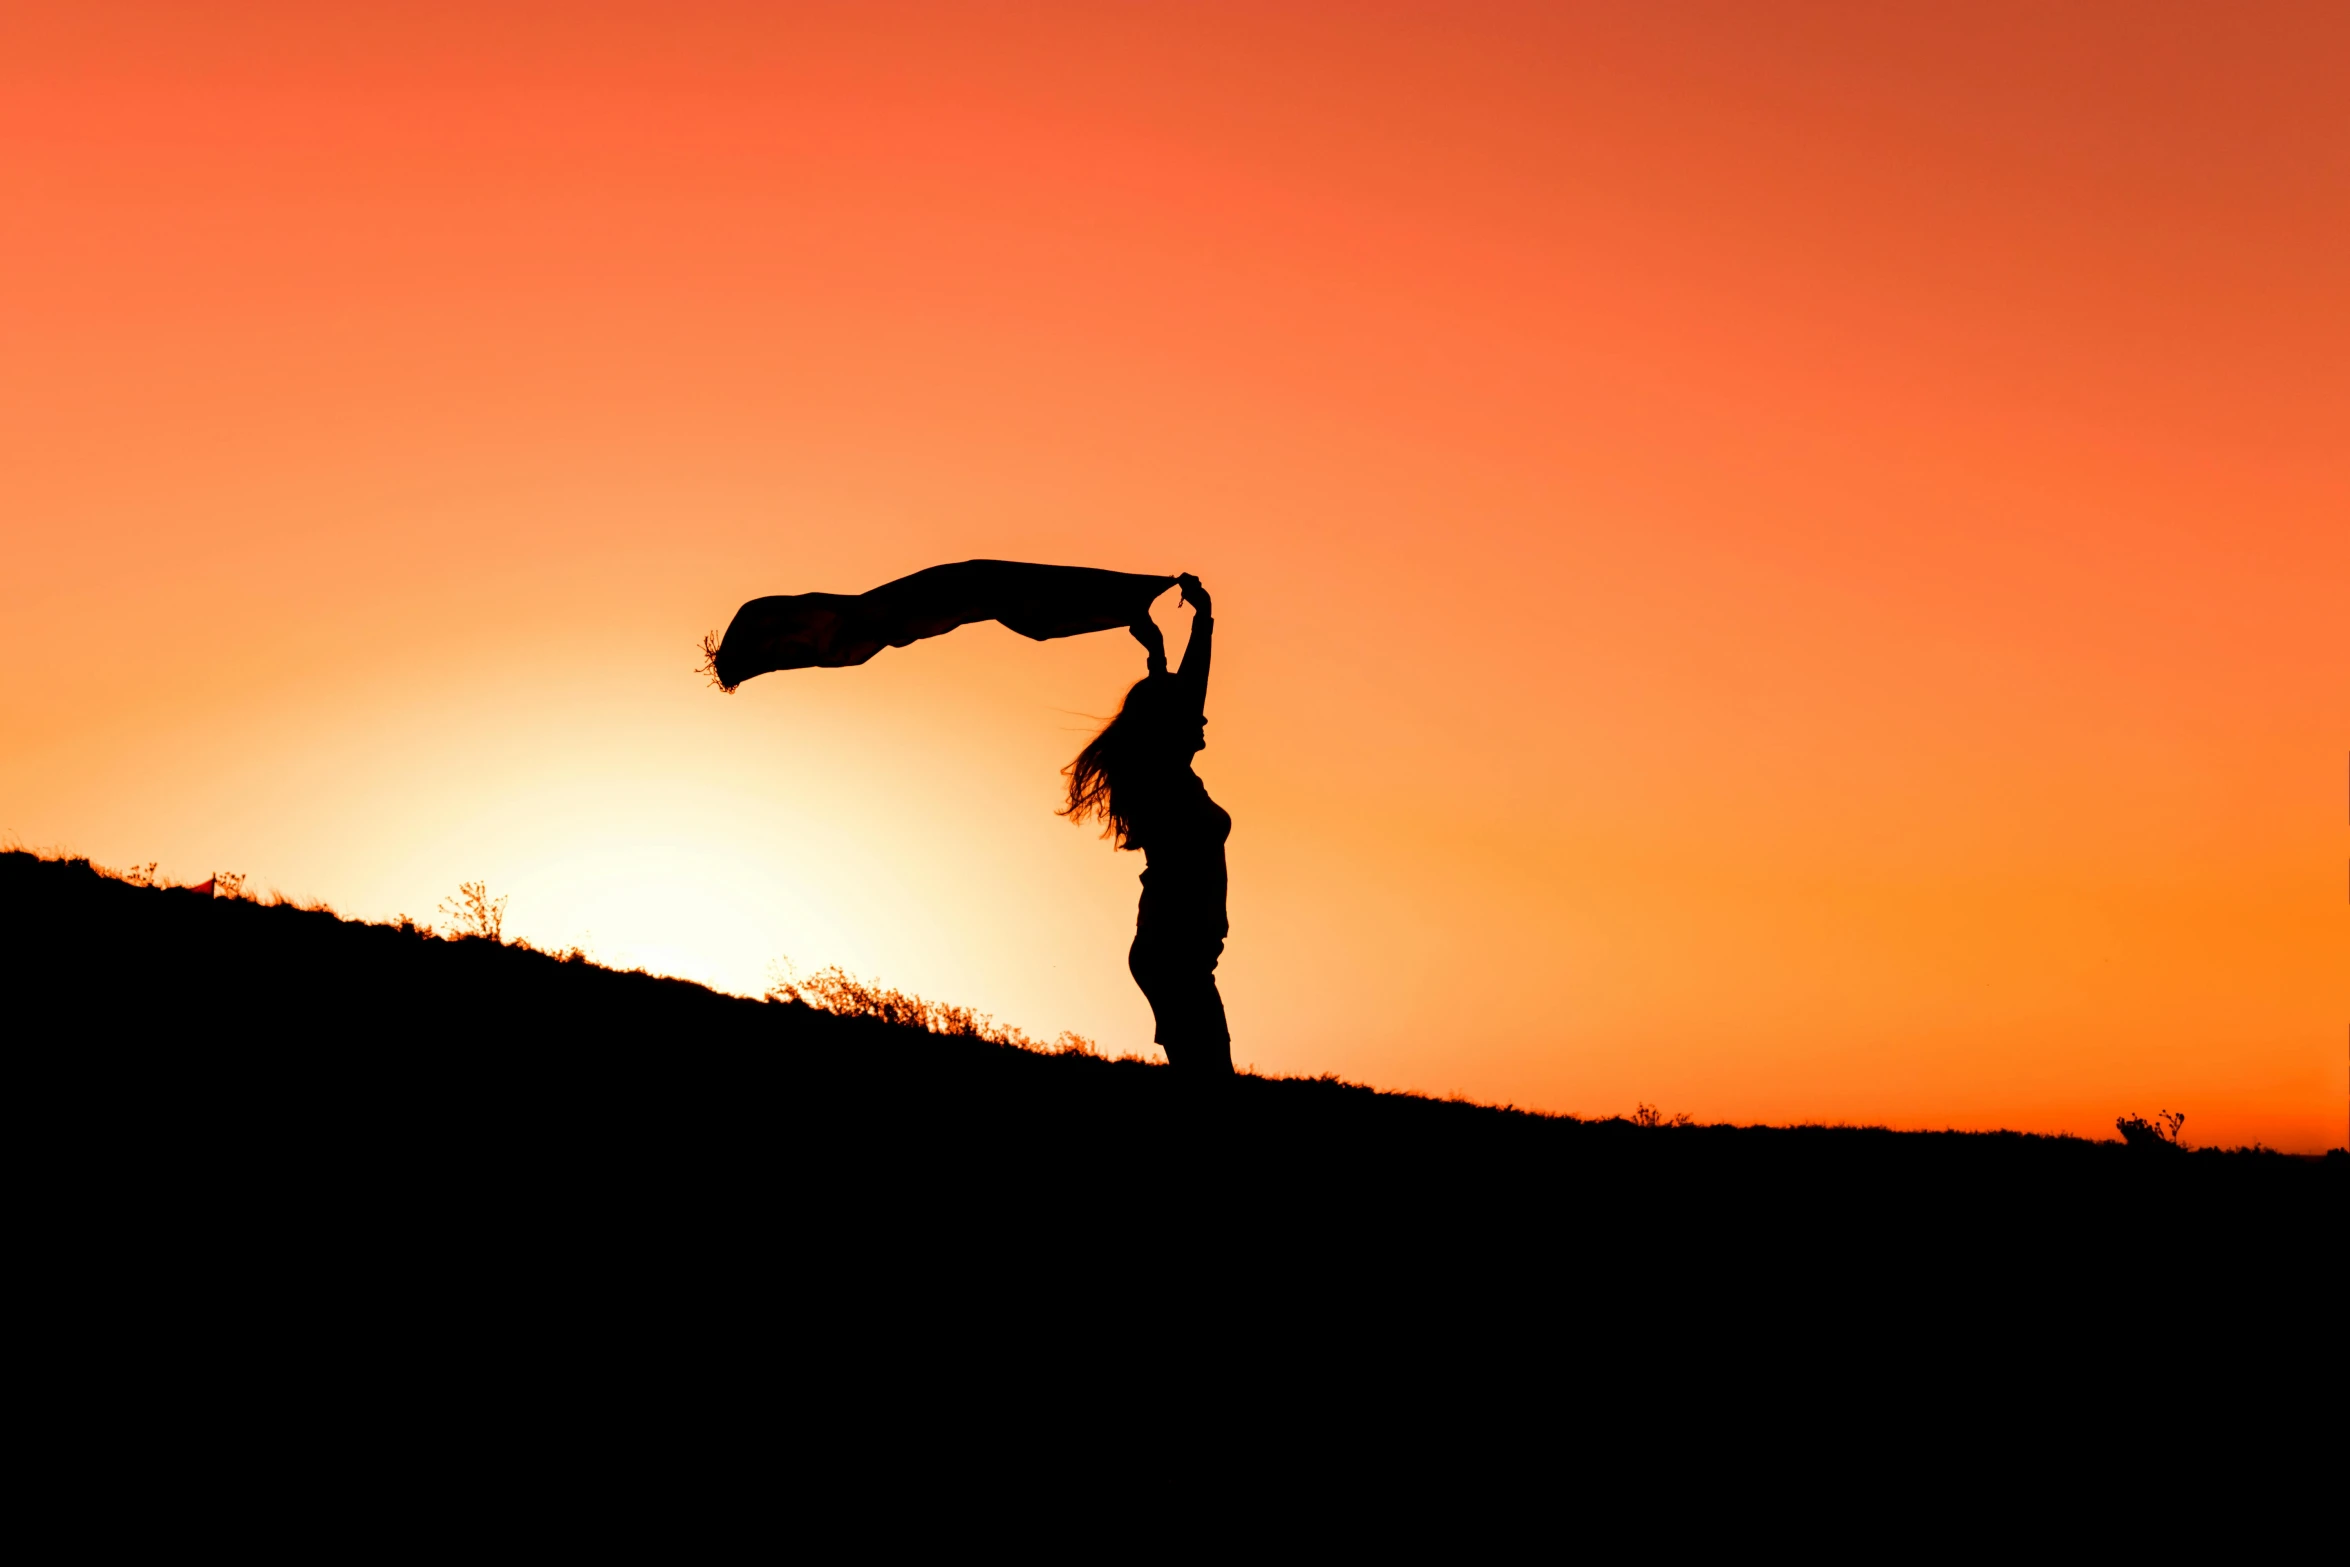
[1177,943]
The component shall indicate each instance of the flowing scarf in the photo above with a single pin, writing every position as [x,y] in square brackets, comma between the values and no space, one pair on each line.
[838,630]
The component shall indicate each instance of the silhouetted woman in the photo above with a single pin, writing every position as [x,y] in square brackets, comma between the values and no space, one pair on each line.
[1136,777]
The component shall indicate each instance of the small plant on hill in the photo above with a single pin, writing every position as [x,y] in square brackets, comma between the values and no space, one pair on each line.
[837,991]
[227,884]
[1649,1115]
[2160,1132]
[473,912]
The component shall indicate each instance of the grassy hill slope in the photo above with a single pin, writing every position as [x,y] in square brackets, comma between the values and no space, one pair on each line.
[218,1074]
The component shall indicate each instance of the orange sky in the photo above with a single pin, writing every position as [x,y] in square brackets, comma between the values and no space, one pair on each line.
[1784,561]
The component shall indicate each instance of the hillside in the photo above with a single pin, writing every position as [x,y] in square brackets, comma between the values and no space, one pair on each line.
[286,1069]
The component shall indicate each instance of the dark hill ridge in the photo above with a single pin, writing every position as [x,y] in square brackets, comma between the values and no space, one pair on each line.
[307,1074]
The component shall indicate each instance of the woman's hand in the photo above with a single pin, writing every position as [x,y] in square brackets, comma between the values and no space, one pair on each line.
[1195,594]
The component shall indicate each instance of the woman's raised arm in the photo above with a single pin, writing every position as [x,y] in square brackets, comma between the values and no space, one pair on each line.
[1202,647]
[1154,644]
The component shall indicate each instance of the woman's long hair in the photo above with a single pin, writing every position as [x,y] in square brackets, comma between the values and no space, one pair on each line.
[1132,747]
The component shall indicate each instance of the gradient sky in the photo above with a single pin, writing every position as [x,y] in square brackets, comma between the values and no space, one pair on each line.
[1784,561]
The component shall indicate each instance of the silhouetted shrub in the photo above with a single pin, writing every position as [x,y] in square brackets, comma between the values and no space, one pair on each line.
[837,991]
[474,913]
[2160,1132]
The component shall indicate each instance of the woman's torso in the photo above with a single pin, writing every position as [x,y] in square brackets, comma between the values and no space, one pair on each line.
[1181,833]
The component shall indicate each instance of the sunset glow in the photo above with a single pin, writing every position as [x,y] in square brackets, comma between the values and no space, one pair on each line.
[1788,562]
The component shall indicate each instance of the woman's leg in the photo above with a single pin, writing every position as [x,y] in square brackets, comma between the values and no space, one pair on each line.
[1208,1048]
[1189,1010]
